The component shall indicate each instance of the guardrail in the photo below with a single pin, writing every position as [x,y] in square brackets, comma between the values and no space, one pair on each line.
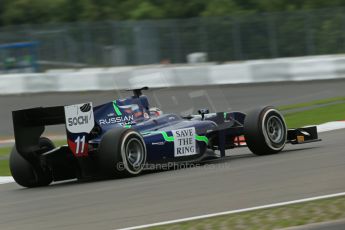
[270,70]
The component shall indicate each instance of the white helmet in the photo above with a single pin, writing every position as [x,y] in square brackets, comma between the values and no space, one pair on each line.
[154,111]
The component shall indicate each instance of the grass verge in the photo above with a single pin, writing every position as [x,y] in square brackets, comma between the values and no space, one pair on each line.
[4,154]
[316,116]
[271,218]
[4,168]
[312,103]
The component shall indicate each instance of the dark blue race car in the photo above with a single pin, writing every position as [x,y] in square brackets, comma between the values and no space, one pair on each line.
[124,136]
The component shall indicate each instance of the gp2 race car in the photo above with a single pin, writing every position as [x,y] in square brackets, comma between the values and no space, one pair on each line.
[131,133]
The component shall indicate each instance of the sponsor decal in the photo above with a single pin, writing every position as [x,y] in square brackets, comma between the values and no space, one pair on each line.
[85,108]
[117,120]
[184,142]
[168,138]
[79,118]
[79,122]
[158,143]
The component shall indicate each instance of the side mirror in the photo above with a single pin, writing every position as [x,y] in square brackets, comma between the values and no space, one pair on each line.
[202,112]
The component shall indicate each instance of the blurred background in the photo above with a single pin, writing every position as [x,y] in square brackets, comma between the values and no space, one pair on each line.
[36,35]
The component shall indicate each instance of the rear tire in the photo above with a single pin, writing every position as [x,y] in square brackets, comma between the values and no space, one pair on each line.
[122,152]
[24,173]
[265,131]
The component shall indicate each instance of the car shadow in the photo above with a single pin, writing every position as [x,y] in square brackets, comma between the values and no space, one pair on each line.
[227,159]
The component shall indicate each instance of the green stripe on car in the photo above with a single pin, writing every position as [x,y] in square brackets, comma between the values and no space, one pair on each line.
[116,108]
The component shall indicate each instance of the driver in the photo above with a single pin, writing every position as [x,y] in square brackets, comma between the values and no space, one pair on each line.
[155,112]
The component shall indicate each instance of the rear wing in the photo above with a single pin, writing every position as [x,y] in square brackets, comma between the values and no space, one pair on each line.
[29,124]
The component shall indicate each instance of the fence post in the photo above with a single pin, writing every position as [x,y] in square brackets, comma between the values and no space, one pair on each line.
[203,38]
[236,37]
[87,43]
[273,46]
[176,41]
[309,37]
[70,48]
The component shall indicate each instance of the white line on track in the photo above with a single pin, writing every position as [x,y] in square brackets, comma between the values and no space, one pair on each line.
[53,137]
[330,126]
[234,211]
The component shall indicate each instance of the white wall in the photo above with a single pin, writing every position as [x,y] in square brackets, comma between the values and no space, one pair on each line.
[282,69]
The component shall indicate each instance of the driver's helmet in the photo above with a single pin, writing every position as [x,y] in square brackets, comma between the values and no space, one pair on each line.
[154,111]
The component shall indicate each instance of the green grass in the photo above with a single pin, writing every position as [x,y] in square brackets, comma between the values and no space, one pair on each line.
[271,218]
[4,168]
[4,151]
[316,116]
[60,142]
[4,154]
[312,103]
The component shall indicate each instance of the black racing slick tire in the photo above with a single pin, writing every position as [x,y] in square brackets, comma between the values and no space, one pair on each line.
[27,175]
[122,152]
[265,131]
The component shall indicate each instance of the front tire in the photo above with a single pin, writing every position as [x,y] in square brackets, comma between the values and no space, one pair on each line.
[122,152]
[24,173]
[265,131]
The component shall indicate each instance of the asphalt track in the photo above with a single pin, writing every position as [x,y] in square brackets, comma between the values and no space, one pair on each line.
[241,181]
[184,99]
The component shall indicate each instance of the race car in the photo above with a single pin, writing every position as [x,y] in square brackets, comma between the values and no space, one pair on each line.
[121,137]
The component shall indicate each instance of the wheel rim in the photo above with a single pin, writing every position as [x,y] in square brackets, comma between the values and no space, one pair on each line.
[275,129]
[134,152]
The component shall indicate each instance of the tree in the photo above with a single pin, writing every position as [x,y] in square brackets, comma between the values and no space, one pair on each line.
[43,11]
[146,10]
[220,8]
[30,11]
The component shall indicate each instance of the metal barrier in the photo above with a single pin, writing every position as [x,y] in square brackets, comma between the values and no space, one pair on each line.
[282,69]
